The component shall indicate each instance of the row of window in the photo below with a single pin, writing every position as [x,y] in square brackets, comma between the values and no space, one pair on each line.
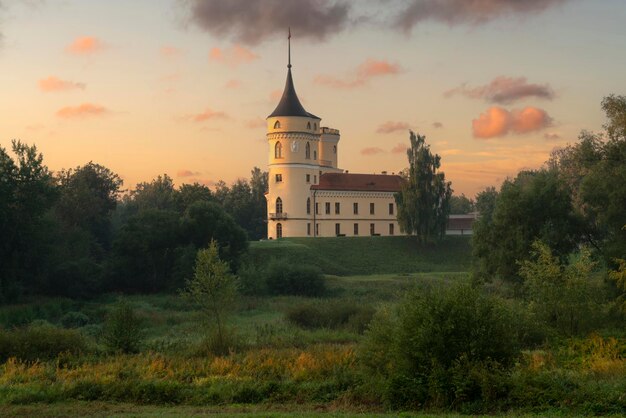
[279,178]
[308,125]
[355,207]
[279,229]
[278,151]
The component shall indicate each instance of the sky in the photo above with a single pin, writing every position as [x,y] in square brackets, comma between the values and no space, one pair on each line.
[147,87]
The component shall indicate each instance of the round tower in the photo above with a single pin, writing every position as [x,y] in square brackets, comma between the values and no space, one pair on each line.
[293,135]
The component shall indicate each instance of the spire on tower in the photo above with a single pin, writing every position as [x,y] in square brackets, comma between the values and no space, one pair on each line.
[289,48]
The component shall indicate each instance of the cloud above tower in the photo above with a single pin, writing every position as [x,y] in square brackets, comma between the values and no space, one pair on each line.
[505,90]
[253,21]
[362,75]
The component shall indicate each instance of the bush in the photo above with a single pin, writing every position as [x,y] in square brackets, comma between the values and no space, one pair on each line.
[220,344]
[283,278]
[122,329]
[440,347]
[334,315]
[74,320]
[40,343]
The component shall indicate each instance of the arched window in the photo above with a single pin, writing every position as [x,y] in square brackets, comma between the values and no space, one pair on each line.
[307,151]
[279,230]
[279,205]
[315,155]
[277,125]
[278,150]
[335,149]
[308,206]
[308,125]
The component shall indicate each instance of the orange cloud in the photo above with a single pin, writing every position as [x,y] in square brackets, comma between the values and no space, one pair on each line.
[207,115]
[170,51]
[233,84]
[552,136]
[52,84]
[187,173]
[372,151]
[390,127]
[82,111]
[452,151]
[361,76]
[399,149]
[84,45]
[497,121]
[232,57]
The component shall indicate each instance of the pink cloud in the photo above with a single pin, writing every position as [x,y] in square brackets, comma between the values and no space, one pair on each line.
[452,151]
[187,173]
[399,149]
[233,84]
[232,57]
[504,90]
[84,45]
[167,51]
[361,75]
[53,84]
[82,111]
[497,121]
[391,127]
[207,115]
[372,151]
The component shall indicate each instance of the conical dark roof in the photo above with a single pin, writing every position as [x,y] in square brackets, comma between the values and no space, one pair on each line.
[289,104]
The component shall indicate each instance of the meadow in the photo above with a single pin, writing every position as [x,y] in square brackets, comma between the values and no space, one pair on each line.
[290,356]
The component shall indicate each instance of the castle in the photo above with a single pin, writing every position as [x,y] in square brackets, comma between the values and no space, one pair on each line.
[308,194]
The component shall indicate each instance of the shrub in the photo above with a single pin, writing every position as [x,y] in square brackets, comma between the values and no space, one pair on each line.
[219,344]
[74,320]
[283,278]
[418,349]
[334,315]
[122,329]
[40,343]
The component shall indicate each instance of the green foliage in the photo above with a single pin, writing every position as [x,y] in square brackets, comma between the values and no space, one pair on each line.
[426,350]
[534,205]
[213,289]
[461,205]
[123,330]
[39,342]
[74,319]
[334,315]
[283,278]
[619,277]
[424,201]
[563,296]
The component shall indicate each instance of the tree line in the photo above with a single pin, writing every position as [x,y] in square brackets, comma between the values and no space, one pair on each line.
[76,233]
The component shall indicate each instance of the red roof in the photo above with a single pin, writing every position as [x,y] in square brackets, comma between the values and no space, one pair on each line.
[359,182]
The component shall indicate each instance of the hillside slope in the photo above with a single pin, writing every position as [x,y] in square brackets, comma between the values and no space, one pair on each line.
[367,255]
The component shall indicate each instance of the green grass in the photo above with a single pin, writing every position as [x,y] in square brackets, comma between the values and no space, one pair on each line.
[346,256]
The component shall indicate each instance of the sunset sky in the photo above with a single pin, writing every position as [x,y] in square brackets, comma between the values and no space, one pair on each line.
[147,87]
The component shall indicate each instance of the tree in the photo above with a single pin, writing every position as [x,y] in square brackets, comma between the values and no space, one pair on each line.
[213,288]
[461,205]
[535,205]
[424,201]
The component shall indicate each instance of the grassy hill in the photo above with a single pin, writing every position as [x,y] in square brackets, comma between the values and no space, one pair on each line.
[344,256]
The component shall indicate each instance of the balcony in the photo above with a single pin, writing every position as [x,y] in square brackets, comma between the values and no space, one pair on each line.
[278,216]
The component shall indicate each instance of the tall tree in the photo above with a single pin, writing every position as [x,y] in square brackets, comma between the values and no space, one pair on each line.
[424,201]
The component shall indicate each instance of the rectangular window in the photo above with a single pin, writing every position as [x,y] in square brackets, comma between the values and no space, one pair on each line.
[308,178]
[356,229]
[327,208]
[391,208]
[371,208]
[279,178]
[315,179]
[372,229]
[317,208]
[317,230]
[308,229]
[355,207]
[337,229]
[390,229]
[337,208]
